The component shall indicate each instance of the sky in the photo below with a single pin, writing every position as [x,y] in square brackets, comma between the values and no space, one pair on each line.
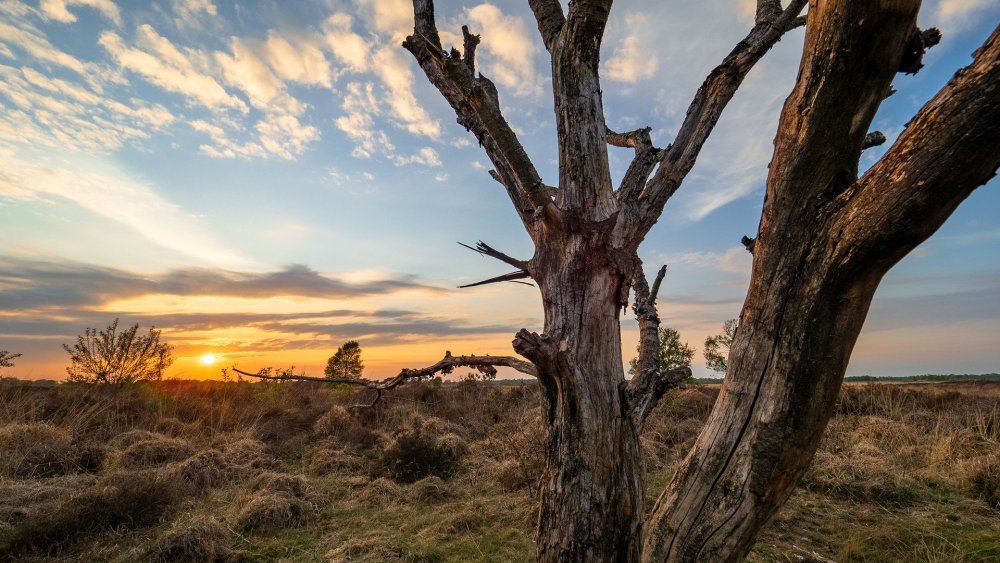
[266,180]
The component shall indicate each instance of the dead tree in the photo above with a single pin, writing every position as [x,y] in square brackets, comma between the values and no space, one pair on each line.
[826,238]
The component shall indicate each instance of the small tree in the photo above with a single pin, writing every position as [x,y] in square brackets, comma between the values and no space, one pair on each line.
[109,356]
[346,362]
[672,353]
[717,347]
[7,358]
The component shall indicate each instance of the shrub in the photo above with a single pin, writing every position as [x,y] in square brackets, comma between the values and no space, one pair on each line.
[36,450]
[333,422]
[200,540]
[204,470]
[268,510]
[415,455]
[109,356]
[986,484]
[156,452]
[125,499]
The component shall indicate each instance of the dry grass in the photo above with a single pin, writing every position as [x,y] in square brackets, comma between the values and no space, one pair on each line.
[187,471]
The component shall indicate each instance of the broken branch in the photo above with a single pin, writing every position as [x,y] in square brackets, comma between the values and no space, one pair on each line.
[511,277]
[475,103]
[444,366]
[487,250]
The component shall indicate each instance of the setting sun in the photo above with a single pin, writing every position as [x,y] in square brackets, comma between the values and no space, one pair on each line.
[208,359]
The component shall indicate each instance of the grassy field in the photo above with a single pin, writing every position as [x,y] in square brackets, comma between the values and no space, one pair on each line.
[211,471]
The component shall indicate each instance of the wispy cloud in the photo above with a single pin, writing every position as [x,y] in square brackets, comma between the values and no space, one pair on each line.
[160,62]
[954,16]
[58,9]
[631,60]
[106,191]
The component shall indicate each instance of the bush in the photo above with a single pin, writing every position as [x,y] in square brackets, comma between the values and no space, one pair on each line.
[156,452]
[200,540]
[415,455]
[36,450]
[204,470]
[120,500]
[268,510]
[986,484]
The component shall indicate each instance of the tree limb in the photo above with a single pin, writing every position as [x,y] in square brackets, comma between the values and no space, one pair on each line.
[873,139]
[475,102]
[585,188]
[444,366]
[705,110]
[951,147]
[645,159]
[511,277]
[649,384]
[487,250]
[550,19]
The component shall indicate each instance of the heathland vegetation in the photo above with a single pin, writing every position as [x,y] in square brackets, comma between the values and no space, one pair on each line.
[212,471]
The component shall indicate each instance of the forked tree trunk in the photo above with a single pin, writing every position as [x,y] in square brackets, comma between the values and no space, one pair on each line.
[825,240]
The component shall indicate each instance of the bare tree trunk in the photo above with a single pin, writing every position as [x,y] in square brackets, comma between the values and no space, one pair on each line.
[592,499]
[826,239]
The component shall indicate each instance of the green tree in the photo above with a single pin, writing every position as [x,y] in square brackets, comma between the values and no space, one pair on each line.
[7,359]
[717,347]
[346,362]
[110,356]
[672,352]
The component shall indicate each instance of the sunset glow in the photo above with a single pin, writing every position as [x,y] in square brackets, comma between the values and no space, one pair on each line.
[268,181]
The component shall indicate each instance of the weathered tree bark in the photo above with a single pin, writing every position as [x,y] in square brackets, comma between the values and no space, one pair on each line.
[592,500]
[825,241]
[826,238]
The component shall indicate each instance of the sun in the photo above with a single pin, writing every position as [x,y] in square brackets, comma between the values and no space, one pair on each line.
[208,359]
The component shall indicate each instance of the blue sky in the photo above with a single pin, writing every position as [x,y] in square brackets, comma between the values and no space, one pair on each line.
[266,180]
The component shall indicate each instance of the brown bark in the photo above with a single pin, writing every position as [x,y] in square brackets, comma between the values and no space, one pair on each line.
[591,503]
[825,241]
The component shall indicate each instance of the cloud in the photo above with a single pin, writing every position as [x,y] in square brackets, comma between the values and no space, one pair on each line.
[301,62]
[32,284]
[32,42]
[57,9]
[395,73]
[284,135]
[106,191]
[163,64]
[391,17]
[735,259]
[55,113]
[243,69]
[955,15]
[225,147]
[360,105]
[348,47]
[191,13]
[510,48]
[630,62]
[426,156]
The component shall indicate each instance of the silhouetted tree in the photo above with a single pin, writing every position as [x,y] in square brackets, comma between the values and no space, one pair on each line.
[717,346]
[109,356]
[346,362]
[7,359]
